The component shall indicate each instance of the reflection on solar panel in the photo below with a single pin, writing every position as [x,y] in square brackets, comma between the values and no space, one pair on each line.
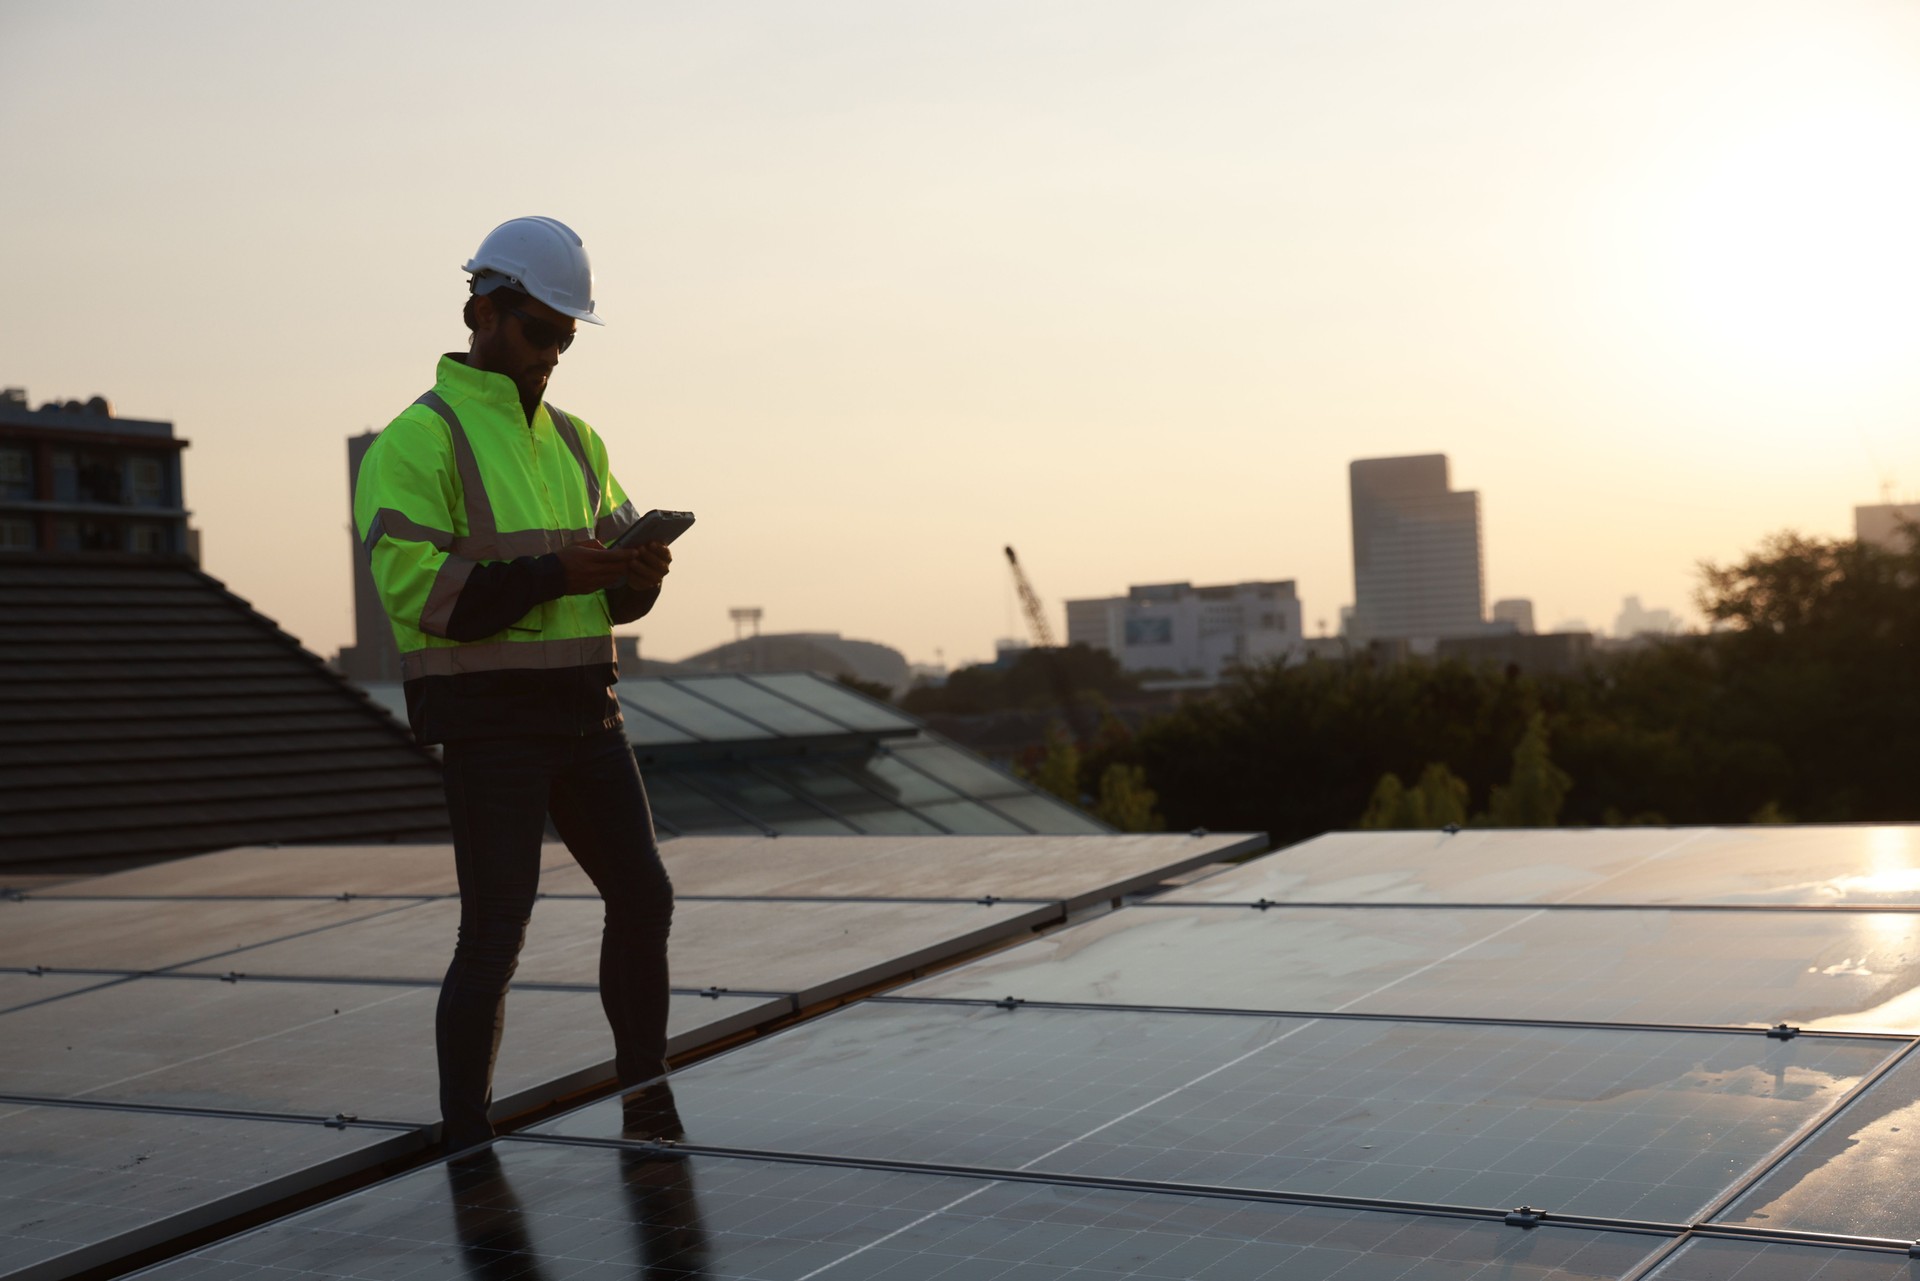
[1651,867]
[81,1187]
[1855,1177]
[1841,971]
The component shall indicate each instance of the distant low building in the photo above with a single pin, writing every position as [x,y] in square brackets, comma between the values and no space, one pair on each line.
[1194,631]
[1635,619]
[1514,615]
[1883,525]
[1536,654]
[76,478]
[827,653]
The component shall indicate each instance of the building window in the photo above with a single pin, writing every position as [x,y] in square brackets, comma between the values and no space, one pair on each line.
[146,482]
[17,535]
[66,477]
[100,480]
[1149,631]
[147,539]
[87,536]
[16,472]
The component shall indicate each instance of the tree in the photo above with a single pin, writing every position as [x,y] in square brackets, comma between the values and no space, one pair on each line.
[1126,802]
[1058,770]
[1438,800]
[1533,794]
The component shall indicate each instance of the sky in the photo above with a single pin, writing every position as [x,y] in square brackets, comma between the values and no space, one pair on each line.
[891,284]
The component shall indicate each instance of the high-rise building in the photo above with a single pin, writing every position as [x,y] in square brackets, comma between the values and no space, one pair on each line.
[75,478]
[373,656]
[1197,631]
[1416,552]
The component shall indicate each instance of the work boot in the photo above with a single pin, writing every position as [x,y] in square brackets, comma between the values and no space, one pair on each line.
[648,1114]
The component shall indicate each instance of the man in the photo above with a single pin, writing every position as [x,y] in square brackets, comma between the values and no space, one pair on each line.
[485,512]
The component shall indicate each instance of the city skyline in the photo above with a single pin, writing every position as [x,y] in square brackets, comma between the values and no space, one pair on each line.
[1122,286]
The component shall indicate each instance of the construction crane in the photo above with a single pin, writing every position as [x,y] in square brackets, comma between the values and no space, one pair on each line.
[1051,654]
[1036,616]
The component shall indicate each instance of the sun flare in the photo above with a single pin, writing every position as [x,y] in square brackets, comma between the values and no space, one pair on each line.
[1798,246]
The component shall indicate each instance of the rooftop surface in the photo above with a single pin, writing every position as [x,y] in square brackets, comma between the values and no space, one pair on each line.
[145,710]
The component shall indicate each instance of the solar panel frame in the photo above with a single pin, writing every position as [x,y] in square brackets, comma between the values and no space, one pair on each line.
[1832,866]
[811,950]
[1017,1089]
[1836,970]
[320,1049]
[539,1207]
[81,1188]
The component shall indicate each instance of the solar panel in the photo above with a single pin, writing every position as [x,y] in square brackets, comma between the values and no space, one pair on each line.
[1627,1124]
[314,1049]
[1841,970]
[1704,1259]
[551,1210]
[687,809]
[743,789]
[116,935]
[783,716]
[843,794]
[644,730]
[815,950]
[82,1187]
[1816,866]
[1853,1178]
[835,701]
[1078,870]
[24,988]
[290,871]
[687,714]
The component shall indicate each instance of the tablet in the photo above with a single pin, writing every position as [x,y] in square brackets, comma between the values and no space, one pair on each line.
[654,527]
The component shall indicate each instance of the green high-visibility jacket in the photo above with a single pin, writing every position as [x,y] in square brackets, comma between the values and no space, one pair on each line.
[460,505]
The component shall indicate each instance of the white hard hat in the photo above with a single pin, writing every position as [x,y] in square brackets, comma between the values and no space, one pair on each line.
[542,258]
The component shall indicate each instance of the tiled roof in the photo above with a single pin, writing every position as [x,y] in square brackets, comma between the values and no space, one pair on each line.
[145,709]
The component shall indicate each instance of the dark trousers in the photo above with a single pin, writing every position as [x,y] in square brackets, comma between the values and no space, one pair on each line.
[500,793]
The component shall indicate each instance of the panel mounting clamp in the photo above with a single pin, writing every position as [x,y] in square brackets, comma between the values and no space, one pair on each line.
[712,993]
[12,895]
[987,900]
[1263,904]
[1010,1002]
[232,976]
[340,1120]
[1913,1251]
[1781,1032]
[1525,1217]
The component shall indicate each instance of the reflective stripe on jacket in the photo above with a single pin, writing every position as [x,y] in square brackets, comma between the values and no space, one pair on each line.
[461,479]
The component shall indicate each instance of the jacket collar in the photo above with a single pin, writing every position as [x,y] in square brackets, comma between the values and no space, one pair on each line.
[459,383]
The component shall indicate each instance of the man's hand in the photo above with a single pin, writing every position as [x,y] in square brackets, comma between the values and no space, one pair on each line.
[591,567]
[649,568]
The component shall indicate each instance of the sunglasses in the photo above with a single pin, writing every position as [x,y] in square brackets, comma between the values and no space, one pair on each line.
[541,334]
